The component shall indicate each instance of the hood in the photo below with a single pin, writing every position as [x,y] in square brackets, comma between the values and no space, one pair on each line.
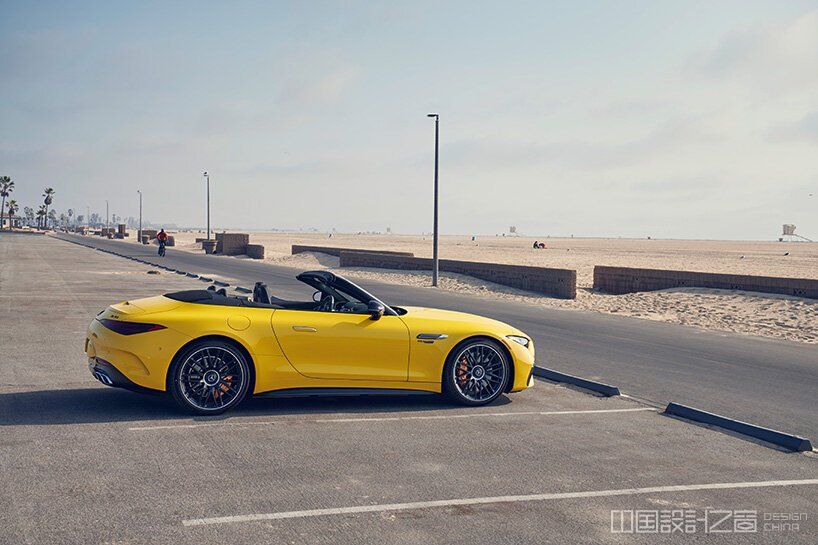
[474,321]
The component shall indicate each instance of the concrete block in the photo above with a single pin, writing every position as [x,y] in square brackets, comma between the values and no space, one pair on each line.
[256,251]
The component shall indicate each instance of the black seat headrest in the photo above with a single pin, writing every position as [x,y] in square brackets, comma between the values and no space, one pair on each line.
[260,293]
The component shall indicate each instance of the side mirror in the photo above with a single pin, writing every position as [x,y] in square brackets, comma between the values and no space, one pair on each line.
[317,296]
[375,310]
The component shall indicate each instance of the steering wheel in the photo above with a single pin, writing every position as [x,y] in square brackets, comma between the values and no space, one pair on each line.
[327,304]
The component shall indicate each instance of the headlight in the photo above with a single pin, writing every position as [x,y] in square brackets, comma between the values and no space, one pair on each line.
[519,340]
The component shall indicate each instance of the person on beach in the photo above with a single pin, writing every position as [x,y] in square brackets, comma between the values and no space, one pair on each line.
[162,237]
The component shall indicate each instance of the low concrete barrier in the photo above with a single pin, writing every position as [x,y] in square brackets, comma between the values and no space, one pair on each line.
[232,243]
[331,250]
[786,440]
[555,376]
[560,283]
[619,280]
[255,251]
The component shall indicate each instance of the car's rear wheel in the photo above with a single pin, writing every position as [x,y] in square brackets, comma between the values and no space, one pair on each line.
[476,372]
[209,377]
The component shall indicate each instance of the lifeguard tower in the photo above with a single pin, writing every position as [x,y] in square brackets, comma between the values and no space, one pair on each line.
[788,234]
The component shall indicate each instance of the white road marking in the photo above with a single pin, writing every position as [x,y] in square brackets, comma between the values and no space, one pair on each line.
[487,500]
[477,415]
[383,418]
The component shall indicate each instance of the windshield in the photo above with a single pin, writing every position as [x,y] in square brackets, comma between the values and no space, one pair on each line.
[341,289]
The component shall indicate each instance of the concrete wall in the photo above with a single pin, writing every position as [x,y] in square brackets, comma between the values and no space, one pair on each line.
[256,251]
[232,243]
[618,280]
[560,283]
[330,250]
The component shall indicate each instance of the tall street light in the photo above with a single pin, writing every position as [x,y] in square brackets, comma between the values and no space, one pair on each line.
[139,234]
[107,217]
[434,248]
[207,177]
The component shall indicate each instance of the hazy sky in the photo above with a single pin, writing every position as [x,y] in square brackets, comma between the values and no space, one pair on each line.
[670,119]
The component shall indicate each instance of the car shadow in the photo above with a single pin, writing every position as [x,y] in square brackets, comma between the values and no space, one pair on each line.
[107,405]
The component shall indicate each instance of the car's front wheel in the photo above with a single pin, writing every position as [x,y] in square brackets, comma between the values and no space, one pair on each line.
[476,372]
[209,377]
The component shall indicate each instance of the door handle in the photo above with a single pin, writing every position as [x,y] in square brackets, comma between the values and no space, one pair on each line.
[304,328]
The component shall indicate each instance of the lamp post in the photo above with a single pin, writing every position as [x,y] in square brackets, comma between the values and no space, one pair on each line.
[434,243]
[107,217]
[139,234]
[207,177]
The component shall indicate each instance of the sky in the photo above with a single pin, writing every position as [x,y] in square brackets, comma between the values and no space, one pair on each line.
[692,119]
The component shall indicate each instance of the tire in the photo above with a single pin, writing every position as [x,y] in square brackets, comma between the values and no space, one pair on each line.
[476,372]
[209,377]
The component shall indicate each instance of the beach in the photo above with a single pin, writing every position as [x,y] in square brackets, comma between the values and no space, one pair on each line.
[780,317]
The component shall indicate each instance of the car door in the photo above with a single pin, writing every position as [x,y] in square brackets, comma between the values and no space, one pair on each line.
[340,345]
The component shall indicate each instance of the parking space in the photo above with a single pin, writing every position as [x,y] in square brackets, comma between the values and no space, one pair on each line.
[82,463]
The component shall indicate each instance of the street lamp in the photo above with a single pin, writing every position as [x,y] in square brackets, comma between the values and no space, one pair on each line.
[107,217]
[139,234]
[434,248]
[207,177]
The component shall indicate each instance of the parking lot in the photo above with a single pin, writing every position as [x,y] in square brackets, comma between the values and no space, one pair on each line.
[82,463]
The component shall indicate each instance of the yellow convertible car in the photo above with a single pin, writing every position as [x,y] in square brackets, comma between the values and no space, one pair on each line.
[210,349]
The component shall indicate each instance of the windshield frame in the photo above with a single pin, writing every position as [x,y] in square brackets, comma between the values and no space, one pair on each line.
[329,283]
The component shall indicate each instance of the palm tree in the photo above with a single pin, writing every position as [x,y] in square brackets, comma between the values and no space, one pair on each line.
[12,206]
[29,212]
[48,193]
[70,215]
[6,187]
[40,216]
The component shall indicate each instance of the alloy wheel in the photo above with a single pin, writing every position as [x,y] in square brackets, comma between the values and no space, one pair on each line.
[479,372]
[211,378]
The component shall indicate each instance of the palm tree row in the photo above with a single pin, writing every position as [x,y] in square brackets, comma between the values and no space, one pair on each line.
[6,187]
[42,214]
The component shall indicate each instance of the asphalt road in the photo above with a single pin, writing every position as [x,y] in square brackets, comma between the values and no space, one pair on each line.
[81,463]
[762,381]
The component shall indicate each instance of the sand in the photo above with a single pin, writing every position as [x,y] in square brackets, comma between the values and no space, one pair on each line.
[781,317]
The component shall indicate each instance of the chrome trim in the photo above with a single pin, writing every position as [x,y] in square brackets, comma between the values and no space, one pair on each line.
[432,336]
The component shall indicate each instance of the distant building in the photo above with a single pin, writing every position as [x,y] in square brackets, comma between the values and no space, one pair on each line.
[16,222]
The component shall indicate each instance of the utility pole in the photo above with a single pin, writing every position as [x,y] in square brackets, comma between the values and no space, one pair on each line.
[139,234]
[107,216]
[435,261]
[207,177]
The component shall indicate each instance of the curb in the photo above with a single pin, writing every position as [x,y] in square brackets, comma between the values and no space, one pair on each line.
[220,283]
[205,279]
[786,440]
[599,387]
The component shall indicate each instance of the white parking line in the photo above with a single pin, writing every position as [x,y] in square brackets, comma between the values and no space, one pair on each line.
[492,499]
[385,418]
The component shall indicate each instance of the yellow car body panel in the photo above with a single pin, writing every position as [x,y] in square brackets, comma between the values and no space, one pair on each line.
[333,345]
[427,358]
[292,349]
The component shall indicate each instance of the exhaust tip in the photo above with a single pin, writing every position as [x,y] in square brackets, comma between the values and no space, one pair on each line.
[103,378]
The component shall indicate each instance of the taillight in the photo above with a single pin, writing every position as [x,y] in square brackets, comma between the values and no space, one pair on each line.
[129,328]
